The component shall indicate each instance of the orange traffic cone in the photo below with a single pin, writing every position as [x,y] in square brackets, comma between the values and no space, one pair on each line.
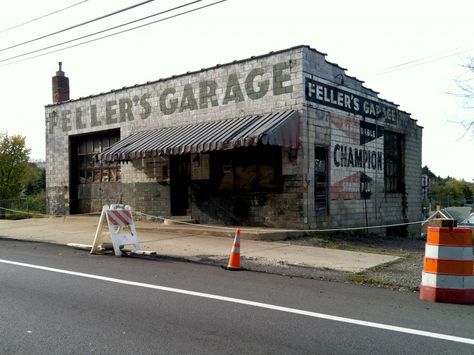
[234,258]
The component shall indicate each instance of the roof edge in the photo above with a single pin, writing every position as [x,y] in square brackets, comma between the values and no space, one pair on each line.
[216,66]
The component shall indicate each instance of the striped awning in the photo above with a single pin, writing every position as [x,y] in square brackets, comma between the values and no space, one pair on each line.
[277,128]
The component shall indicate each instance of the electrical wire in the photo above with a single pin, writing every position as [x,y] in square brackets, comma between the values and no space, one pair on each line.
[117,33]
[42,16]
[416,62]
[250,230]
[99,32]
[77,25]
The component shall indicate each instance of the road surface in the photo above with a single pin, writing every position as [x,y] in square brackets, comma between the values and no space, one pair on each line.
[57,300]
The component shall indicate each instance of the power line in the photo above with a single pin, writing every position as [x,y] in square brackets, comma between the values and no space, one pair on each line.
[417,62]
[99,32]
[42,16]
[117,33]
[78,25]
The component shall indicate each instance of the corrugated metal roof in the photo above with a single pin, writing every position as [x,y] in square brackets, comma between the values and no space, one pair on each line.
[277,128]
[457,213]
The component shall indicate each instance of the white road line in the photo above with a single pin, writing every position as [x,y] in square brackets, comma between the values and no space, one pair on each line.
[252,303]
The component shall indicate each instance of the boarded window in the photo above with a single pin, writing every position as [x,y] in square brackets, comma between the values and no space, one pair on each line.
[90,170]
[247,169]
[245,177]
[393,162]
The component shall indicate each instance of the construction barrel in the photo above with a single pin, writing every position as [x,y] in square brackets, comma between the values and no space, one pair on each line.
[448,274]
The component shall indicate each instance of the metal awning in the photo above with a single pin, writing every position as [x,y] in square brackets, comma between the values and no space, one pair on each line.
[277,128]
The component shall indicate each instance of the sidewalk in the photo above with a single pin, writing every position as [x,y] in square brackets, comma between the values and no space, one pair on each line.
[197,243]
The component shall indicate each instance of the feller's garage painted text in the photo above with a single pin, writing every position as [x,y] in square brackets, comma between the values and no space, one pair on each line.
[192,96]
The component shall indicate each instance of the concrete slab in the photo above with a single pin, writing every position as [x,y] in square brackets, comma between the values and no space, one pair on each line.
[191,243]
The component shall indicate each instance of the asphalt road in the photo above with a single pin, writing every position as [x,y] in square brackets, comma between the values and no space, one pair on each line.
[57,300]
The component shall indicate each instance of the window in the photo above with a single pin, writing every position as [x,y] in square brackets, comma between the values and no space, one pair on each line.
[91,171]
[393,160]
[247,169]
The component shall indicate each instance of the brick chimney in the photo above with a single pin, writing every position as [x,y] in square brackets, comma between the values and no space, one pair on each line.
[60,86]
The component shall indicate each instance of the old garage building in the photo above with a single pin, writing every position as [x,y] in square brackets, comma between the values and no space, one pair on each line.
[284,139]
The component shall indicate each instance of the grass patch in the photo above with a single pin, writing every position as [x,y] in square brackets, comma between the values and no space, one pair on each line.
[24,207]
[365,280]
[15,216]
[387,264]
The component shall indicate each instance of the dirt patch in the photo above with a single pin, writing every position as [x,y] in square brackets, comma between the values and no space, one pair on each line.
[362,242]
[403,274]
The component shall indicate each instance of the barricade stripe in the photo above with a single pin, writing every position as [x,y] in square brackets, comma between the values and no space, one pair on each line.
[119,216]
[448,253]
[447,281]
[112,219]
[469,282]
[455,230]
[449,295]
[446,237]
[128,215]
[450,267]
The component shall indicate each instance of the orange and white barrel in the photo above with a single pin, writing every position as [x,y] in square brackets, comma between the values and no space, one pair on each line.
[448,265]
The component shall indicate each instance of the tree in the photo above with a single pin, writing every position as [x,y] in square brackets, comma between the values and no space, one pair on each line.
[35,181]
[449,191]
[13,165]
[467,93]
[455,192]
[468,192]
[426,171]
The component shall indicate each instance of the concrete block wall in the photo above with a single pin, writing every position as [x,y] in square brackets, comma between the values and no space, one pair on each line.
[413,150]
[399,208]
[145,187]
[57,173]
[257,85]
[337,126]
[57,200]
[148,197]
[282,209]
[100,194]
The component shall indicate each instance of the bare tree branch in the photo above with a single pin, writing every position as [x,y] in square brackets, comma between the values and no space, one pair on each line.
[466,92]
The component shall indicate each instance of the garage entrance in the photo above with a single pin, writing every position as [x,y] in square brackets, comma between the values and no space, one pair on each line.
[180,178]
[93,183]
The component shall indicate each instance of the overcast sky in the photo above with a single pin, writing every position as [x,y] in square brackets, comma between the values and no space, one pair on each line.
[374,40]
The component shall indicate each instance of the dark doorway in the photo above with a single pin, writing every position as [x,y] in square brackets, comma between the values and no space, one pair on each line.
[321,181]
[180,177]
[92,183]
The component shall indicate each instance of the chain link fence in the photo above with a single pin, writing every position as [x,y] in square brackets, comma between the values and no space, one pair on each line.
[25,207]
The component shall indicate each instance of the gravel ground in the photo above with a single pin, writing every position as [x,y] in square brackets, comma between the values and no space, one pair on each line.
[403,274]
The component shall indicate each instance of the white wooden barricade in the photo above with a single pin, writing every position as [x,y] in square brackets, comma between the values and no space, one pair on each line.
[121,227]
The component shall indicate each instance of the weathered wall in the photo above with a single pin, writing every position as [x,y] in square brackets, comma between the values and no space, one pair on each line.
[283,209]
[98,195]
[144,186]
[336,112]
[350,120]
[413,149]
[254,86]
